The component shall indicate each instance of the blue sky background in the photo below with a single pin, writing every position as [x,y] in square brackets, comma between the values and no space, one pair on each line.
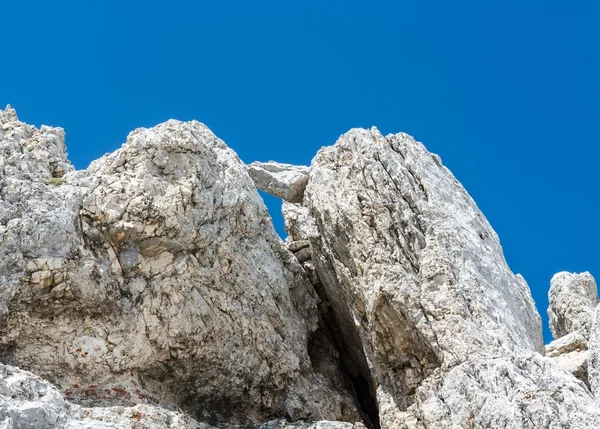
[506,92]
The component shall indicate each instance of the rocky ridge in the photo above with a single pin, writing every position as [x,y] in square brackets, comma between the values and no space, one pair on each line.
[151,290]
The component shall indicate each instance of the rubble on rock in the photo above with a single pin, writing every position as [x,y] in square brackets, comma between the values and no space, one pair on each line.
[153,291]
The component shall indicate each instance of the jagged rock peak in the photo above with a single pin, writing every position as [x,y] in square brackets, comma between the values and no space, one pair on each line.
[154,281]
[8,115]
[113,276]
[416,279]
[573,298]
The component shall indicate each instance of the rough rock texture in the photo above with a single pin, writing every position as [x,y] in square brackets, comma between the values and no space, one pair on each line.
[573,298]
[154,276]
[281,180]
[594,354]
[282,424]
[27,401]
[154,281]
[419,287]
[526,392]
[571,354]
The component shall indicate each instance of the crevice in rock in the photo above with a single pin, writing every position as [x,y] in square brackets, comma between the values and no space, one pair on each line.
[329,356]
[333,357]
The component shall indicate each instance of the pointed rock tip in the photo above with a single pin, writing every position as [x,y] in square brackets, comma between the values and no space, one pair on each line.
[9,114]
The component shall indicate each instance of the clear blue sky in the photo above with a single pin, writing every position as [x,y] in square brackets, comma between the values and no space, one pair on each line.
[506,92]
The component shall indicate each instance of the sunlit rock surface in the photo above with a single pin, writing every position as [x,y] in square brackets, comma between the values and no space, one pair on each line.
[152,291]
[573,298]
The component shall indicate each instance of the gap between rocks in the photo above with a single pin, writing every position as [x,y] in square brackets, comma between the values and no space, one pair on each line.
[356,379]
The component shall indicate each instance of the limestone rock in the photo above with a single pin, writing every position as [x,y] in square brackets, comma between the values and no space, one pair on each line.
[282,424]
[154,282]
[413,271]
[594,354]
[281,180]
[299,223]
[571,354]
[154,276]
[573,298]
[527,392]
[27,401]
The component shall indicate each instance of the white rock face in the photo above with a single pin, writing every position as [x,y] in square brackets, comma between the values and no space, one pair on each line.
[154,282]
[418,283]
[571,354]
[155,275]
[285,181]
[594,354]
[27,401]
[526,392]
[573,298]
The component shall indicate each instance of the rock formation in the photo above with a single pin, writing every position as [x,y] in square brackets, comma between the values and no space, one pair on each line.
[594,354]
[153,286]
[154,276]
[573,298]
[281,180]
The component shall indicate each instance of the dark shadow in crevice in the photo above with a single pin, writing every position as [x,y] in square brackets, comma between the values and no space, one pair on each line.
[365,398]
[355,380]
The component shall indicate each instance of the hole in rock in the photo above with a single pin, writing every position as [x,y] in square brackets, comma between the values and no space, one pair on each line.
[274,207]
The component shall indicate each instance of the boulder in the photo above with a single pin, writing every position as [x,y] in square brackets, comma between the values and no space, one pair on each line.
[573,298]
[571,354]
[418,284]
[154,275]
[285,181]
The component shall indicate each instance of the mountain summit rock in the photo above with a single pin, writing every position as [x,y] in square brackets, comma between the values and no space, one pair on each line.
[151,290]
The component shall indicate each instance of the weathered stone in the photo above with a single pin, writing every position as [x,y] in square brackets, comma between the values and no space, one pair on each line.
[282,424]
[294,246]
[27,401]
[413,271]
[594,354]
[527,392]
[285,181]
[154,281]
[573,298]
[571,353]
[299,223]
[166,245]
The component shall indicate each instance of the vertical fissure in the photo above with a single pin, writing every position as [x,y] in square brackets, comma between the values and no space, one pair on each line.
[357,378]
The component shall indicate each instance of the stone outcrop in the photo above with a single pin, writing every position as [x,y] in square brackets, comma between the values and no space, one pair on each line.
[417,282]
[27,401]
[594,354]
[281,180]
[571,354]
[573,298]
[152,290]
[154,276]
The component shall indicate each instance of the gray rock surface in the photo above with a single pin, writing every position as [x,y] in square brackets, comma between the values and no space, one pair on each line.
[154,276]
[594,354]
[417,282]
[527,392]
[154,282]
[285,181]
[573,298]
[27,401]
[571,354]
